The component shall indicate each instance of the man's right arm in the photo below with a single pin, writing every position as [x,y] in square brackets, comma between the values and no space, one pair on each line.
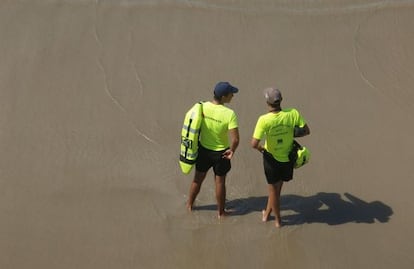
[234,143]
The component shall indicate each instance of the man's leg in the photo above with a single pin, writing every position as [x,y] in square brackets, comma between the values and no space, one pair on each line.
[220,182]
[273,203]
[195,188]
[276,205]
[270,201]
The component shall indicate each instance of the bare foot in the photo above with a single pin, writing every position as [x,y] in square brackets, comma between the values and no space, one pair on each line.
[226,213]
[223,215]
[265,217]
[189,207]
[278,224]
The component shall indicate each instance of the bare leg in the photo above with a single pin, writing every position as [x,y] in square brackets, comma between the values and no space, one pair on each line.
[220,194]
[273,203]
[266,212]
[195,188]
[276,205]
[265,216]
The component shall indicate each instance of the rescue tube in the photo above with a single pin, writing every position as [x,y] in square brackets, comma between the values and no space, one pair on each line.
[300,155]
[303,157]
[189,137]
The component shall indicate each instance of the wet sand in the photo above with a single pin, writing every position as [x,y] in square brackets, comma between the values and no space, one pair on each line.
[92,98]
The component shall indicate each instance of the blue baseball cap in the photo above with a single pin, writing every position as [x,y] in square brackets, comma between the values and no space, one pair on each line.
[224,88]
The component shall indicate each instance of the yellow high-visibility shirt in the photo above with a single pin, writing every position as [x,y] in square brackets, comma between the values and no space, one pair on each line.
[218,119]
[277,130]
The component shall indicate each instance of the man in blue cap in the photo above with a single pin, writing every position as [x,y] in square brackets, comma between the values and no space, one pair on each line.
[215,149]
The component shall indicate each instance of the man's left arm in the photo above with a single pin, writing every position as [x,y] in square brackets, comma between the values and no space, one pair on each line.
[301,131]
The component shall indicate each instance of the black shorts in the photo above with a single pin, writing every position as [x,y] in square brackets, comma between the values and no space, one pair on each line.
[276,171]
[210,158]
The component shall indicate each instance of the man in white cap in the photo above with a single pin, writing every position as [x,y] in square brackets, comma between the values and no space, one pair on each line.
[277,128]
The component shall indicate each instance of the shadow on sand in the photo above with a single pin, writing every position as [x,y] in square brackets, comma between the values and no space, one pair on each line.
[329,208]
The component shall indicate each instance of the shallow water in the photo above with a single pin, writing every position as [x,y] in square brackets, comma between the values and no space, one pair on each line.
[92,97]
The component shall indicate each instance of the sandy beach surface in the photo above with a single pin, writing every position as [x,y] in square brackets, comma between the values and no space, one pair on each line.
[92,99]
